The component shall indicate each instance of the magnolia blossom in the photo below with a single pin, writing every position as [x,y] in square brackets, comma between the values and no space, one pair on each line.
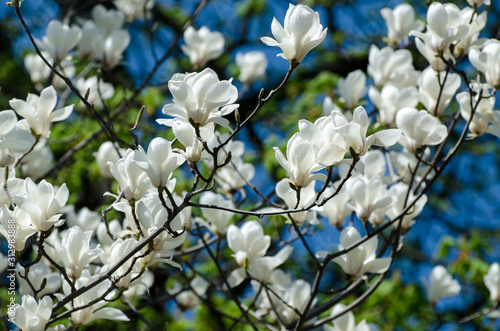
[387,65]
[335,209]
[352,88]
[124,275]
[88,45]
[188,299]
[96,311]
[306,196]
[361,259]
[354,133]
[325,139]
[41,204]
[110,49]
[32,315]
[390,100]
[492,282]
[186,134]
[487,61]
[202,45]
[367,195]
[60,38]
[300,162]
[252,65]
[23,227]
[134,8]
[107,153]
[444,28]
[262,268]
[248,243]
[419,129]
[41,278]
[346,322]
[296,298]
[217,219]
[236,173]
[40,72]
[200,98]
[484,113]
[479,2]
[131,178]
[399,191]
[400,21]
[98,90]
[74,251]
[441,285]
[159,162]
[109,20]
[302,32]
[476,23]
[437,86]
[430,55]
[85,219]
[39,110]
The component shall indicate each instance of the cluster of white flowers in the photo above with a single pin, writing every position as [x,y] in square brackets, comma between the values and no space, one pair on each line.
[382,168]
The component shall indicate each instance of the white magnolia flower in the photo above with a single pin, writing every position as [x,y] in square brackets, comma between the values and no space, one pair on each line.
[33,316]
[390,100]
[14,185]
[476,23]
[262,268]
[110,48]
[434,86]
[39,110]
[23,227]
[74,251]
[38,275]
[484,114]
[354,133]
[189,299]
[103,237]
[252,65]
[492,282]
[124,275]
[217,219]
[419,129]
[335,209]
[400,21]
[186,134]
[40,72]
[367,195]
[131,178]
[85,219]
[322,135]
[248,243]
[399,191]
[300,162]
[374,162]
[134,8]
[88,45]
[202,45]
[352,88]
[60,38]
[441,285]
[307,196]
[296,298]
[387,65]
[86,315]
[346,322]
[41,204]
[487,61]
[38,161]
[302,32]
[160,161]
[479,2]
[109,20]
[201,98]
[430,55]
[444,28]
[107,152]
[98,90]
[8,121]
[361,259]
[236,173]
